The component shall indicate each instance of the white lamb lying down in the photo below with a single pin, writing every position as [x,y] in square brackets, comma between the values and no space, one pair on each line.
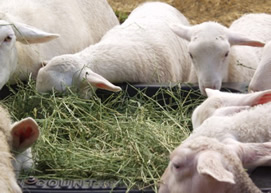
[261,79]
[16,140]
[222,54]
[141,50]
[212,159]
[25,26]
[222,104]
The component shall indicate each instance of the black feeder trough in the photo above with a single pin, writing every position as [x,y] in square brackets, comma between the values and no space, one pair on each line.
[261,176]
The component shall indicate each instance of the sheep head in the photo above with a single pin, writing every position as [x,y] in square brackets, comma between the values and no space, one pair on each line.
[209,48]
[205,165]
[69,70]
[10,33]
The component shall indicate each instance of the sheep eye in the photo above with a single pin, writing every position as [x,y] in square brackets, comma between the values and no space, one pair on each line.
[8,38]
[176,166]
[226,55]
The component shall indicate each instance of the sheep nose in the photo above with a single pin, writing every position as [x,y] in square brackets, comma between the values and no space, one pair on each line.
[215,85]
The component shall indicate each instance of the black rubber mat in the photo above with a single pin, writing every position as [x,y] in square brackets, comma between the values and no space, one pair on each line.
[183,89]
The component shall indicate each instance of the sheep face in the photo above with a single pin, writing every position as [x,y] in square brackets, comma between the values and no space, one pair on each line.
[57,74]
[205,165]
[209,48]
[8,57]
[210,56]
[69,70]
[199,167]
[9,35]
[261,78]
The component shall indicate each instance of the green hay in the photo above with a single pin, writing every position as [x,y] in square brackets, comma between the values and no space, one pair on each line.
[121,139]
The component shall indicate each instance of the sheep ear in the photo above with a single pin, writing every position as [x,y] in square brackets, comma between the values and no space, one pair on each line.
[256,98]
[263,98]
[24,133]
[210,164]
[29,35]
[249,99]
[182,31]
[239,39]
[100,82]
[254,154]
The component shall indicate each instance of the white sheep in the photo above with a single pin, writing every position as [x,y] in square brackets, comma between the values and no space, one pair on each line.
[24,25]
[143,49]
[212,159]
[261,79]
[222,54]
[16,140]
[223,104]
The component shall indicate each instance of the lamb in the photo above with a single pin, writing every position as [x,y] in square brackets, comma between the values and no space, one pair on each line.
[212,159]
[261,78]
[22,32]
[16,140]
[224,104]
[215,52]
[141,50]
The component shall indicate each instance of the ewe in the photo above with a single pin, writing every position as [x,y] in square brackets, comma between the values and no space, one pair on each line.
[141,50]
[26,24]
[16,140]
[223,54]
[212,159]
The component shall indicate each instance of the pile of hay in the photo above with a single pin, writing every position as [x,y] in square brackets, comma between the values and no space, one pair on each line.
[126,139]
